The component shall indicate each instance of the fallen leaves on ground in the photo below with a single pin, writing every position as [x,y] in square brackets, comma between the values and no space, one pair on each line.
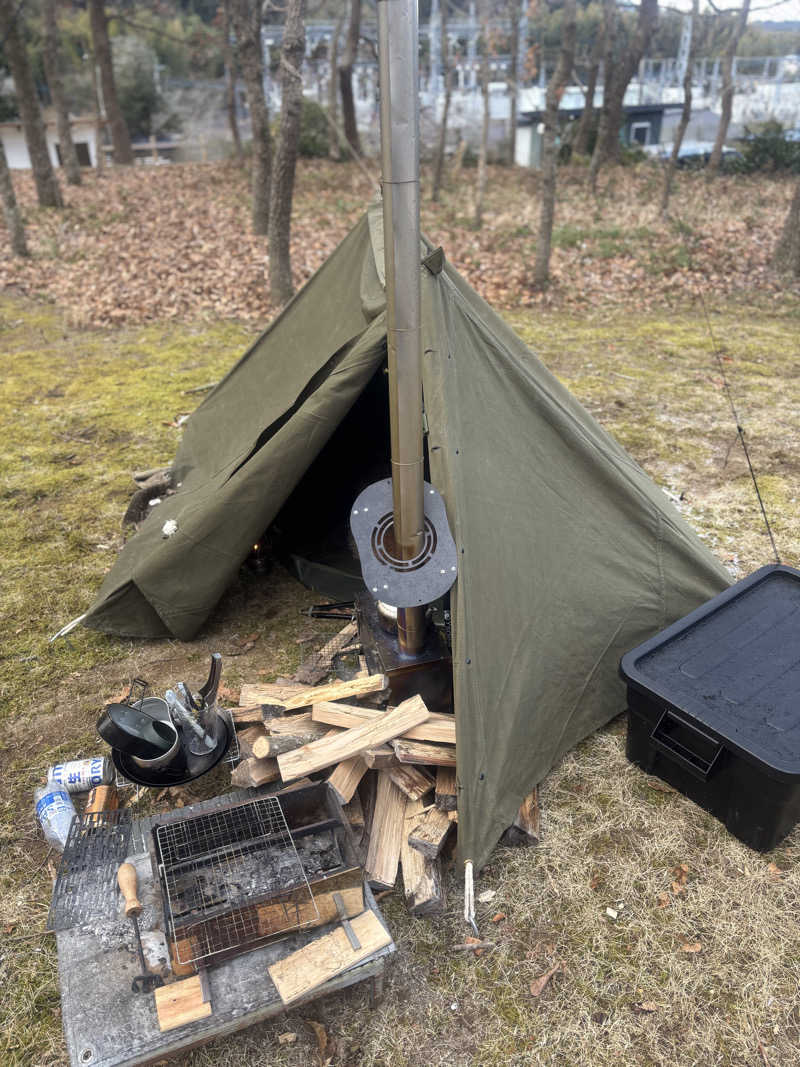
[538,985]
[644,1007]
[691,947]
[145,243]
[680,873]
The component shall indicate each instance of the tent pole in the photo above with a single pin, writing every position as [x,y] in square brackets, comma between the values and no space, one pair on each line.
[399,77]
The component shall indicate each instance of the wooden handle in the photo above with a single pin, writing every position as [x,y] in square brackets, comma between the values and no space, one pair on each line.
[126,879]
[102,798]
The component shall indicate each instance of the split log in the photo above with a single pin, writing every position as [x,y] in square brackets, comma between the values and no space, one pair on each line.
[253,772]
[247,738]
[319,665]
[269,692]
[279,741]
[438,728]
[346,776]
[422,877]
[296,724]
[525,828]
[386,833]
[453,816]
[424,753]
[242,716]
[413,781]
[446,789]
[355,687]
[430,833]
[379,758]
[326,751]
[354,813]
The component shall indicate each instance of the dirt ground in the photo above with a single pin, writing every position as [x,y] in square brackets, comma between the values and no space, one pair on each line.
[702,963]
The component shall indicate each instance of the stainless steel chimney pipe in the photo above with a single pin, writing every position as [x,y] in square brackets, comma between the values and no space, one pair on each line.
[399,80]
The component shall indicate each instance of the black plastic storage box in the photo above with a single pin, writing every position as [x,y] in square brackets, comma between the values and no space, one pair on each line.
[714,706]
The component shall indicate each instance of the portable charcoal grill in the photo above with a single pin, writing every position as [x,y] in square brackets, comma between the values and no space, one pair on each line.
[234,877]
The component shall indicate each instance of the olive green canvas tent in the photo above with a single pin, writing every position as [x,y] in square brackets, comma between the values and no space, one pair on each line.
[569,555]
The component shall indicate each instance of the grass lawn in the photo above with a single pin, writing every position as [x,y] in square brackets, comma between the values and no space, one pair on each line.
[701,965]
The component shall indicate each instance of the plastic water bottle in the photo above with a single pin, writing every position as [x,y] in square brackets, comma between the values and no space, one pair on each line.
[55,811]
[81,775]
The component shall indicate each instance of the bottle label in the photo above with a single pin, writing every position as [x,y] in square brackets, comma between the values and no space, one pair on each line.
[53,804]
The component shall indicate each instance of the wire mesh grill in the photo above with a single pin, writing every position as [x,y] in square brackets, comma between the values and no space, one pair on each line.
[230,878]
[85,888]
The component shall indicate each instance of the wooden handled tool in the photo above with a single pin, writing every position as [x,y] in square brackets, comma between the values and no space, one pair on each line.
[126,879]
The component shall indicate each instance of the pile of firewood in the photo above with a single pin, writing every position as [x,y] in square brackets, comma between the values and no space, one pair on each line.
[392,768]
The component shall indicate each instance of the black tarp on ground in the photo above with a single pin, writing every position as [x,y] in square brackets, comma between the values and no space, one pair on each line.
[569,554]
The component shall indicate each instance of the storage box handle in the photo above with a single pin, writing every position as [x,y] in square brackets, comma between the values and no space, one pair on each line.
[697,765]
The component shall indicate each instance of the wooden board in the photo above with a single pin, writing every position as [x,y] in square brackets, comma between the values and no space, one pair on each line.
[424,753]
[346,776]
[422,877]
[317,666]
[438,728]
[269,692]
[386,833]
[412,781]
[446,789]
[430,833]
[180,1003]
[327,751]
[316,963]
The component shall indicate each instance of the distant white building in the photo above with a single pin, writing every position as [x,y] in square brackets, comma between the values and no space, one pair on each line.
[84,136]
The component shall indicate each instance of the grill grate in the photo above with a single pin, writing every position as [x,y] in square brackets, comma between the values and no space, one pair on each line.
[85,889]
[231,877]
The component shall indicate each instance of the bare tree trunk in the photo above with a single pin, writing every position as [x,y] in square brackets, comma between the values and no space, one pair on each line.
[728,88]
[16,56]
[610,33]
[230,82]
[483,151]
[686,114]
[787,253]
[101,45]
[513,78]
[246,18]
[617,78]
[438,163]
[99,123]
[555,90]
[16,231]
[346,77]
[334,149]
[280,212]
[52,69]
[580,142]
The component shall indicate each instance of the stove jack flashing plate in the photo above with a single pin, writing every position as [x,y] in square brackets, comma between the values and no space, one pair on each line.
[400,582]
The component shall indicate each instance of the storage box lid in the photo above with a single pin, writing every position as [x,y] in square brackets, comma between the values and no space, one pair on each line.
[733,665]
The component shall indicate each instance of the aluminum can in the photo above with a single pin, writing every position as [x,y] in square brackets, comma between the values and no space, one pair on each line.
[81,775]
